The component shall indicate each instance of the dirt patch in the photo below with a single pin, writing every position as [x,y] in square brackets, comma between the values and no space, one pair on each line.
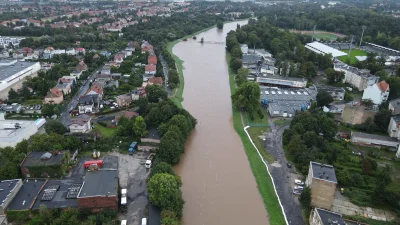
[356,114]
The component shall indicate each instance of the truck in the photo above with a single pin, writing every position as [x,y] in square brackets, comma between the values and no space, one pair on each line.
[149,160]
[123,199]
[87,164]
[132,147]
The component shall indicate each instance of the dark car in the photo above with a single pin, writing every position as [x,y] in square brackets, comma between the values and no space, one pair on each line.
[289,165]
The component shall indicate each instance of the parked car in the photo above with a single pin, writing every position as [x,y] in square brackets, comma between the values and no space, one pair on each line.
[299,182]
[289,165]
[300,188]
[296,192]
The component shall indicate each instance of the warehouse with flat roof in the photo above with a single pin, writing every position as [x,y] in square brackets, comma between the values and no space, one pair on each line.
[320,48]
[14,131]
[13,72]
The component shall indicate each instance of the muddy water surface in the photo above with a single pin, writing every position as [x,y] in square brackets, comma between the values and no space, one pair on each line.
[218,185]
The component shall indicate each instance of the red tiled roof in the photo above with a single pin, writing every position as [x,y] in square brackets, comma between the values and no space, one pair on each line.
[383,86]
[150,68]
[54,93]
[155,80]
[152,59]
[96,87]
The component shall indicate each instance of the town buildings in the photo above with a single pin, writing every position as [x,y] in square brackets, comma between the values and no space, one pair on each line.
[9,189]
[394,105]
[324,217]
[337,93]
[80,125]
[14,131]
[296,82]
[377,93]
[394,127]
[373,140]
[359,78]
[321,179]
[54,96]
[44,164]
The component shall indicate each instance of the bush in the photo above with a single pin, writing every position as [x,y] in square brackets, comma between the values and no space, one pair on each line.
[260,113]
[102,123]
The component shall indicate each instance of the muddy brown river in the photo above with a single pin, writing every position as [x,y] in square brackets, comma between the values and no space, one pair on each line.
[218,185]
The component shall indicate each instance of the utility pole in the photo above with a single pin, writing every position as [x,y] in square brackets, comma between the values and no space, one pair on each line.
[313,33]
[362,35]
[351,45]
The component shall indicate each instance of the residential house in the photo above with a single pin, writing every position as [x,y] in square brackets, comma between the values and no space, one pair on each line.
[152,60]
[124,100]
[118,58]
[80,125]
[336,92]
[106,70]
[378,92]
[76,73]
[324,217]
[26,50]
[394,127]
[262,53]
[31,56]
[359,78]
[88,103]
[136,94]
[150,69]
[70,51]
[321,179]
[54,96]
[103,78]
[96,88]
[65,88]
[35,23]
[155,81]
[67,80]
[249,59]
[394,105]
[80,51]
[146,47]
[81,66]
[127,114]
[18,55]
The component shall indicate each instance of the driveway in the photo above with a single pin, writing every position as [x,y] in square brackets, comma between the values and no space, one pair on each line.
[77,172]
[165,71]
[65,115]
[133,175]
[282,175]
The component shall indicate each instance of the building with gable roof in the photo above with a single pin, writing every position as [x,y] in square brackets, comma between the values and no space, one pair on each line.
[378,92]
[54,96]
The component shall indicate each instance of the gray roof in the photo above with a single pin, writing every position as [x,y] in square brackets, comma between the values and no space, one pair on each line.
[26,196]
[329,217]
[62,86]
[396,118]
[100,183]
[373,136]
[59,200]
[35,159]
[11,67]
[330,89]
[7,186]
[323,172]
[154,215]
[248,58]
[395,103]
[12,108]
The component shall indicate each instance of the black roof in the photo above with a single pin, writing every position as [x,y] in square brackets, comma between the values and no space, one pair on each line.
[248,58]
[329,217]
[59,200]
[7,187]
[323,171]
[152,133]
[100,183]
[110,162]
[154,215]
[39,159]
[26,196]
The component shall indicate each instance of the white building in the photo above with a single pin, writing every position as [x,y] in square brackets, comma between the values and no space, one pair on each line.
[244,48]
[5,41]
[394,127]
[262,53]
[80,125]
[297,82]
[13,72]
[320,48]
[360,79]
[14,131]
[378,92]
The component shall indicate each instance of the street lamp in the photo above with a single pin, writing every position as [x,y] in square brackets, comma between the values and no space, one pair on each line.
[362,35]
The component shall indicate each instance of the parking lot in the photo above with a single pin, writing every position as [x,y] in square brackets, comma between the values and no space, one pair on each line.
[133,175]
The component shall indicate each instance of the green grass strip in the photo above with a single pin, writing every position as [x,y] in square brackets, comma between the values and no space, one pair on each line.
[264,182]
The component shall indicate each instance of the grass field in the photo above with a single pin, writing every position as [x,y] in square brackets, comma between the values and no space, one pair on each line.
[354,53]
[319,34]
[325,36]
[264,182]
[104,131]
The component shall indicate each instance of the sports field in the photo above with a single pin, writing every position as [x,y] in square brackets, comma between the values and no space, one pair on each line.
[354,53]
[319,34]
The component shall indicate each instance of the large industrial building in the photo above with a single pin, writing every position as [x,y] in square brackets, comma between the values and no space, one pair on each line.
[13,72]
[14,131]
[272,80]
[285,102]
[320,48]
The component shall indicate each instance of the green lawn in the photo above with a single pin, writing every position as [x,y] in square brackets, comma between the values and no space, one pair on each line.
[325,36]
[264,182]
[104,131]
[282,122]
[354,53]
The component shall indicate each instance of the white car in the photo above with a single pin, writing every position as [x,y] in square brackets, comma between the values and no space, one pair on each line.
[297,192]
[300,188]
[299,182]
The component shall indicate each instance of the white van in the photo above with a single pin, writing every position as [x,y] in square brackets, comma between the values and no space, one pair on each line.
[144,221]
[123,222]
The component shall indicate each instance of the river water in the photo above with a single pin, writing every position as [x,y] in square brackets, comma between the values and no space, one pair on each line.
[218,185]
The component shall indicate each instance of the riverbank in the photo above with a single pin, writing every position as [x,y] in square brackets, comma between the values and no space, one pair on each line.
[258,168]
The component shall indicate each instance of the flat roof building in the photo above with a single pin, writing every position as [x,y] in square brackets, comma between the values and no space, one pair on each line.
[322,180]
[14,131]
[320,48]
[337,93]
[373,140]
[26,196]
[325,217]
[44,160]
[13,72]
[9,189]
[99,190]
[58,194]
[273,80]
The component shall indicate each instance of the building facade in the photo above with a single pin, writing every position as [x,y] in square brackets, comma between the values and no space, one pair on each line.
[378,93]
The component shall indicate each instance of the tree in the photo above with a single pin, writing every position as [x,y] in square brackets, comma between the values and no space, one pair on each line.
[169,218]
[139,127]
[324,98]
[236,52]
[241,76]
[55,126]
[247,97]
[161,167]
[22,147]
[235,64]
[382,119]
[155,93]
[333,76]
[220,24]
[182,123]
[171,147]
[164,192]
[383,179]
[47,110]
[367,102]
[305,198]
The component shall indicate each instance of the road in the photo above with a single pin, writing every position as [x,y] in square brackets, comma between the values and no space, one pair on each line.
[281,174]
[65,115]
[165,71]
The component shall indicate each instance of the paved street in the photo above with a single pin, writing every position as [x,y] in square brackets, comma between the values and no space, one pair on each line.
[165,71]
[65,115]
[281,174]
